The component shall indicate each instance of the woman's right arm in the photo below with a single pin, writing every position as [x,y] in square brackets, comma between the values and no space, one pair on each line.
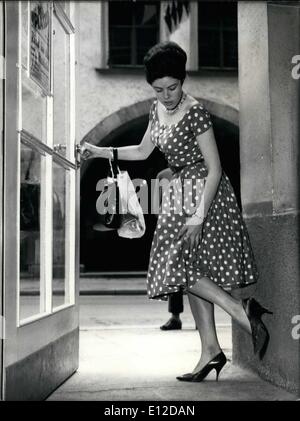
[127,153]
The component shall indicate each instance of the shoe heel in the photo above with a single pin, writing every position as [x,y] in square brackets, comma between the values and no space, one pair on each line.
[218,369]
[259,332]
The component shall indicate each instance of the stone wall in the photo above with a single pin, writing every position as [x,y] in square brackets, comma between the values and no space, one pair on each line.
[269,145]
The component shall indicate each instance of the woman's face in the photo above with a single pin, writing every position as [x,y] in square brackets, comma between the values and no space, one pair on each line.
[168,91]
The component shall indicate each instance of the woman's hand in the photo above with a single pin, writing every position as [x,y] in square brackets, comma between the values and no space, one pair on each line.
[90,151]
[191,232]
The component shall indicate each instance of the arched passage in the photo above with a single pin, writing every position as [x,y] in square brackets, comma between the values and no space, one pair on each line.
[106,251]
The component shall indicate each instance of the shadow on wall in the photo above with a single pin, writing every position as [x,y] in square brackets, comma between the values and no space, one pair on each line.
[106,251]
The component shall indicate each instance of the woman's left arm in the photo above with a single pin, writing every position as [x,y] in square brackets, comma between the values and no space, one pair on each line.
[209,150]
[207,144]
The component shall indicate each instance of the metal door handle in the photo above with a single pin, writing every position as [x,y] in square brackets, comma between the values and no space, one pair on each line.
[59,147]
[78,154]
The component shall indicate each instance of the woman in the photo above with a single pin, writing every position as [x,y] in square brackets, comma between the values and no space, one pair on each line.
[200,244]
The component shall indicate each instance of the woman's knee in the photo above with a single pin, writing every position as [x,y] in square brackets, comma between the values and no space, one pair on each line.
[196,297]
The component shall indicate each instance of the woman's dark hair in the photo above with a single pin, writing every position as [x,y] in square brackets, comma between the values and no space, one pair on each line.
[165,59]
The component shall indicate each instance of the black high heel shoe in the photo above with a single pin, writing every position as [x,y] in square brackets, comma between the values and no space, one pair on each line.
[216,363]
[260,334]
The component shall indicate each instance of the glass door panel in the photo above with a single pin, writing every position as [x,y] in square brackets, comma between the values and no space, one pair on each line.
[31,299]
[24,34]
[61,90]
[34,109]
[63,258]
[35,67]
[59,235]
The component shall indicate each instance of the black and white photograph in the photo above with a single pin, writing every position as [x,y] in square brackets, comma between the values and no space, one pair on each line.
[149,219]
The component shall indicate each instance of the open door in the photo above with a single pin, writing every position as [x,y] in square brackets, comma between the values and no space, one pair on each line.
[41,199]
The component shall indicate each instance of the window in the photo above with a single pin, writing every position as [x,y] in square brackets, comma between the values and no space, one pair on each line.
[133,29]
[217,35]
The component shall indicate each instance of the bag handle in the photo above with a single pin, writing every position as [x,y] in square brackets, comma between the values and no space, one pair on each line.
[114,164]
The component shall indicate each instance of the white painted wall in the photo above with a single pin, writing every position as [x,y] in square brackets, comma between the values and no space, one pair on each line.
[102,94]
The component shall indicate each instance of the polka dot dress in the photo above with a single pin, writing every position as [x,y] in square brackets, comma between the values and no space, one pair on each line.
[224,254]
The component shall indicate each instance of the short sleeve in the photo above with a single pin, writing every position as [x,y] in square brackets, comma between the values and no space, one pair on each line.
[200,120]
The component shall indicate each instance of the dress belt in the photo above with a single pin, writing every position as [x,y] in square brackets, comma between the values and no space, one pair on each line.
[177,169]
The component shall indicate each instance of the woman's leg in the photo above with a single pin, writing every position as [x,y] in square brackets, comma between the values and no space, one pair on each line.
[208,290]
[203,313]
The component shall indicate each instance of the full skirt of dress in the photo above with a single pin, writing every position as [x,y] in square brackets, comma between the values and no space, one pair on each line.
[224,254]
